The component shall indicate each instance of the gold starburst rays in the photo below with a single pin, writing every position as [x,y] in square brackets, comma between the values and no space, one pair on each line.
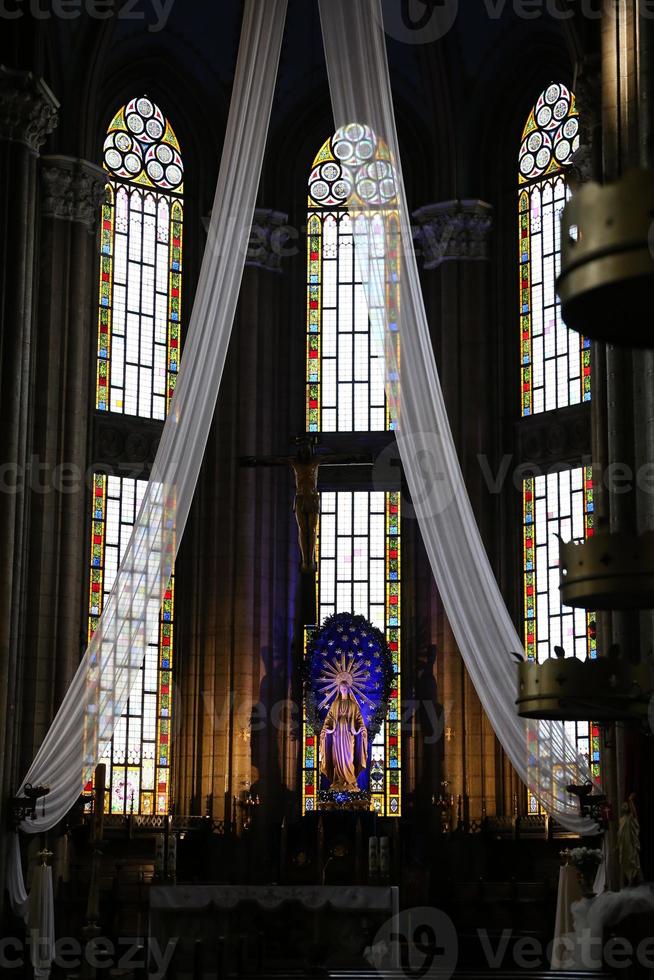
[344,668]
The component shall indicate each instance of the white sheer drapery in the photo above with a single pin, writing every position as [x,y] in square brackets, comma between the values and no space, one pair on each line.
[40,922]
[544,758]
[112,663]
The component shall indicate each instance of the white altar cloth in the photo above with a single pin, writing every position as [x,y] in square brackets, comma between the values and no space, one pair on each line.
[182,897]
[569,891]
[180,913]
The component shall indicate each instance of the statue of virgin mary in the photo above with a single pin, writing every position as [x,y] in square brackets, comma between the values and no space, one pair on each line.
[344,741]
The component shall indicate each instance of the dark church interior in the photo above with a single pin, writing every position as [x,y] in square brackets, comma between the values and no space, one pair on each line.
[314,749]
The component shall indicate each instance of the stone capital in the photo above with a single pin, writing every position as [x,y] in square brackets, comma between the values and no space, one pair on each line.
[453,230]
[28,109]
[72,189]
[588,98]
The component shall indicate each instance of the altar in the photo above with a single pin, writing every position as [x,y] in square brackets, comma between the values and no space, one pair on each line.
[228,928]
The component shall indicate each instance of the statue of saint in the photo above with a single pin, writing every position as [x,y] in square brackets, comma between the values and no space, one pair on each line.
[629,842]
[344,741]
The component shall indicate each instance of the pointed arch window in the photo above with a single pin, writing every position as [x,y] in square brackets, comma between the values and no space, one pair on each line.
[555,374]
[141,264]
[555,360]
[359,534]
[345,355]
[138,354]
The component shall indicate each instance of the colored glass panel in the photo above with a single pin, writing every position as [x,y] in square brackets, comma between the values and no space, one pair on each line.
[310,744]
[140,264]
[555,361]
[345,383]
[359,571]
[557,504]
[138,757]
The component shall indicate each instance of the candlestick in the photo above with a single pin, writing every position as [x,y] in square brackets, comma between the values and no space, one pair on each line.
[373,857]
[384,856]
[159,856]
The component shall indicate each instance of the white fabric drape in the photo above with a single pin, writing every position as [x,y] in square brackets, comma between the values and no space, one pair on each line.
[40,922]
[359,82]
[111,665]
[569,891]
[15,880]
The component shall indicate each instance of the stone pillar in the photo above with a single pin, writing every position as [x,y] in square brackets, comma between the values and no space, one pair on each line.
[587,159]
[28,113]
[453,238]
[627,127]
[71,194]
[234,572]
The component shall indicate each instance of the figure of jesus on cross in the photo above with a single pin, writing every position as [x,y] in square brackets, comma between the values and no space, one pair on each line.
[305,465]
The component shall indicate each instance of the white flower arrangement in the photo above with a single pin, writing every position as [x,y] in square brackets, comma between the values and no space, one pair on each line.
[585,859]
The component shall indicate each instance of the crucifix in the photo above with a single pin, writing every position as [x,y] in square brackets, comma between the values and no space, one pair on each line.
[305,465]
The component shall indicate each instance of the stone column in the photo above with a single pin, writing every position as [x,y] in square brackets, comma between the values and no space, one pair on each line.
[71,194]
[454,240]
[28,113]
[626,129]
[233,571]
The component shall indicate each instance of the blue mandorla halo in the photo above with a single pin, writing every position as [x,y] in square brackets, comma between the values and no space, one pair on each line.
[348,648]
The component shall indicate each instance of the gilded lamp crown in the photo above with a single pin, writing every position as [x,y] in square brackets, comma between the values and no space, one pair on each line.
[607,260]
[566,689]
[608,571]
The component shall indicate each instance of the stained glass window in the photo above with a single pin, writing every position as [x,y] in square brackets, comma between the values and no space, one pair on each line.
[555,361]
[345,356]
[359,572]
[138,758]
[140,264]
[557,504]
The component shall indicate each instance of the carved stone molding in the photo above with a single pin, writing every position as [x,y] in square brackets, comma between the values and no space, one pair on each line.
[453,230]
[588,98]
[269,239]
[125,445]
[72,190]
[28,109]
[559,437]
